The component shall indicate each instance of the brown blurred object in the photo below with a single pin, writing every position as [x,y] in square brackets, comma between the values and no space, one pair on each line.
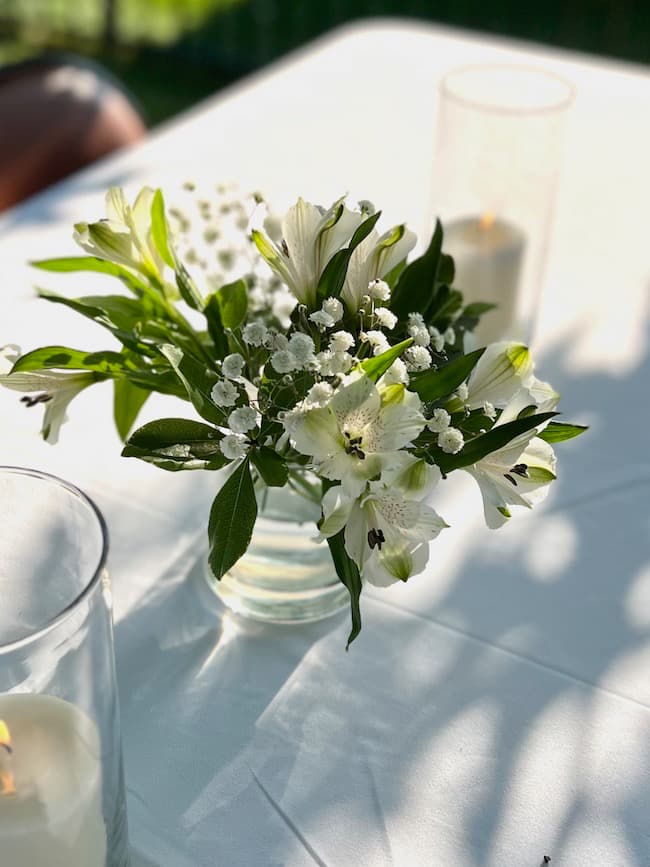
[55,118]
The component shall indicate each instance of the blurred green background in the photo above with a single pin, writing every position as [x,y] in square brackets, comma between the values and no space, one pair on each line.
[200,45]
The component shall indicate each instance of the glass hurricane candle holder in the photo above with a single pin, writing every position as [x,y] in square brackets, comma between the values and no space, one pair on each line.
[61,783]
[496,163]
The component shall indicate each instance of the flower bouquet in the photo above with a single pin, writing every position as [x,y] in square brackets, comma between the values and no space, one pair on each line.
[332,367]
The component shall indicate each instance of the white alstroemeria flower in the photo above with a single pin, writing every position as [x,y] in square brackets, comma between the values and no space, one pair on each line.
[500,373]
[125,236]
[358,433]
[310,237]
[516,475]
[9,355]
[373,259]
[54,389]
[386,534]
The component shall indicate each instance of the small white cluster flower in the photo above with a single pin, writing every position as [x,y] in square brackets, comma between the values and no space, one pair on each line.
[385,317]
[242,419]
[330,363]
[301,347]
[224,393]
[451,440]
[284,361]
[330,313]
[379,290]
[440,421]
[254,334]
[417,358]
[462,392]
[318,395]
[233,446]
[489,410]
[232,366]
[341,341]
[450,335]
[275,341]
[397,374]
[418,330]
[437,338]
[377,340]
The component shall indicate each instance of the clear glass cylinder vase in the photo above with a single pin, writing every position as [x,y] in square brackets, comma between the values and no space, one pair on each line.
[285,576]
[61,782]
[499,142]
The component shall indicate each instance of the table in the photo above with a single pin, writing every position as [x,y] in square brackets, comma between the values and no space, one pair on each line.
[493,711]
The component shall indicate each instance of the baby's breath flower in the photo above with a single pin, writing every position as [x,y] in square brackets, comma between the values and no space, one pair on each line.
[322,319]
[450,335]
[233,446]
[232,366]
[341,341]
[284,361]
[440,421]
[489,410]
[417,358]
[420,335]
[242,419]
[451,440]
[416,320]
[275,340]
[385,317]
[318,395]
[378,341]
[436,338]
[334,308]
[379,290]
[254,333]
[301,346]
[224,393]
[462,392]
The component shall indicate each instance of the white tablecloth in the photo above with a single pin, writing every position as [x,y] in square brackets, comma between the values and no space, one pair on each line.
[494,710]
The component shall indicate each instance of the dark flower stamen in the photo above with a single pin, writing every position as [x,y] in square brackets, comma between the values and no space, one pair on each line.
[376,538]
[32,400]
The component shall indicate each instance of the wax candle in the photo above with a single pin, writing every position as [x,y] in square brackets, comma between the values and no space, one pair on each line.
[50,785]
[488,253]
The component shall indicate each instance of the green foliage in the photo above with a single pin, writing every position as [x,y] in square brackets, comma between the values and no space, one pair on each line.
[558,432]
[333,277]
[271,466]
[432,385]
[232,518]
[376,367]
[128,400]
[177,444]
[415,289]
[348,574]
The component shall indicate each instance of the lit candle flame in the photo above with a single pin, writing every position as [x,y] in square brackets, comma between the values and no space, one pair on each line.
[487,220]
[7,782]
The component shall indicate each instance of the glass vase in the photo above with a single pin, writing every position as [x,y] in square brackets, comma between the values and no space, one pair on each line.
[61,783]
[285,576]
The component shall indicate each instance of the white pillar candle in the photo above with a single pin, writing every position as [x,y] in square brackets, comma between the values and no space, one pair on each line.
[488,254]
[50,785]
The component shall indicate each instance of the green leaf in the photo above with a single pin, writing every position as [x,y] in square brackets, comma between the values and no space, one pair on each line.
[232,519]
[128,400]
[271,467]
[177,444]
[212,313]
[478,308]
[198,382]
[159,229]
[446,270]
[558,432]
[377,366]
[433,385]
[233,303]
[187,287]
[415,289]
[64,358]
[348,574]
[489,442]
[71,264]
[445,305]
[333,277]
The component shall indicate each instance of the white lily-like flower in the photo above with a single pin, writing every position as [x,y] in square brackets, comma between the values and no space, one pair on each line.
[125,236]
[500,373]
[386,534]
[373,259]
[310,237]
[359,433]
[518,474]
[52,388]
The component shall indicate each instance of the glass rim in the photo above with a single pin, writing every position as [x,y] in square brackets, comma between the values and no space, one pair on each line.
[89,586]
[561,103]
